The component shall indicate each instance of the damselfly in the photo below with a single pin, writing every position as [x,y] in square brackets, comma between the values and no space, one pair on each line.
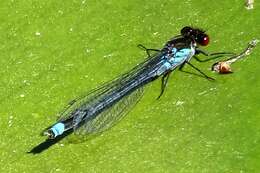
[104,106]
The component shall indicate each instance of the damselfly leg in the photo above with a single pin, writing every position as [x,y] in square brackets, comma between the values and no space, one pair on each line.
[165,76]
[147,50]
[202,73]
[164,84]
[211,56]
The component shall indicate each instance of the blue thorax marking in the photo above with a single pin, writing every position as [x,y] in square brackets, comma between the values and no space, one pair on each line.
[180,56]
[175,58]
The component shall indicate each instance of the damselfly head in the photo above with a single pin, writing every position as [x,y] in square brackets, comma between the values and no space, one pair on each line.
[197,35]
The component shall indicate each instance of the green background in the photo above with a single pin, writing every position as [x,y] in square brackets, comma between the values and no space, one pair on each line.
[53,51]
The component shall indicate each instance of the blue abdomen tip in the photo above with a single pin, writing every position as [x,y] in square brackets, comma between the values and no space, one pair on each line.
[58,129]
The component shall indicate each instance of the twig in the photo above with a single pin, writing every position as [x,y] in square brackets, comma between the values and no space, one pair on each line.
[224,66]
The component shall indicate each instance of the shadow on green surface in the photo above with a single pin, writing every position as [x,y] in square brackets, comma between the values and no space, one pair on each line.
[48,143]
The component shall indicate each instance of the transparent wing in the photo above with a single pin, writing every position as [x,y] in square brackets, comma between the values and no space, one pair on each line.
[112,115]
[94,96]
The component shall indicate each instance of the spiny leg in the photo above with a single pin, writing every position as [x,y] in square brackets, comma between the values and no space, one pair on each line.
[199,51]
[203,74]
[206,76]
[212,56]
[164,83]
[147,50]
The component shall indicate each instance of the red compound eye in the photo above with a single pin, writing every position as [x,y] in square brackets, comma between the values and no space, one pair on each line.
[203,39]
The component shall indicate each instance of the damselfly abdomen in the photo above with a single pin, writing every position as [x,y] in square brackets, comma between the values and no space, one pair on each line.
[104,106]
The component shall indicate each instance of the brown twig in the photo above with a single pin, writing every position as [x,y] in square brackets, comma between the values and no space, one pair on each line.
[224,66]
